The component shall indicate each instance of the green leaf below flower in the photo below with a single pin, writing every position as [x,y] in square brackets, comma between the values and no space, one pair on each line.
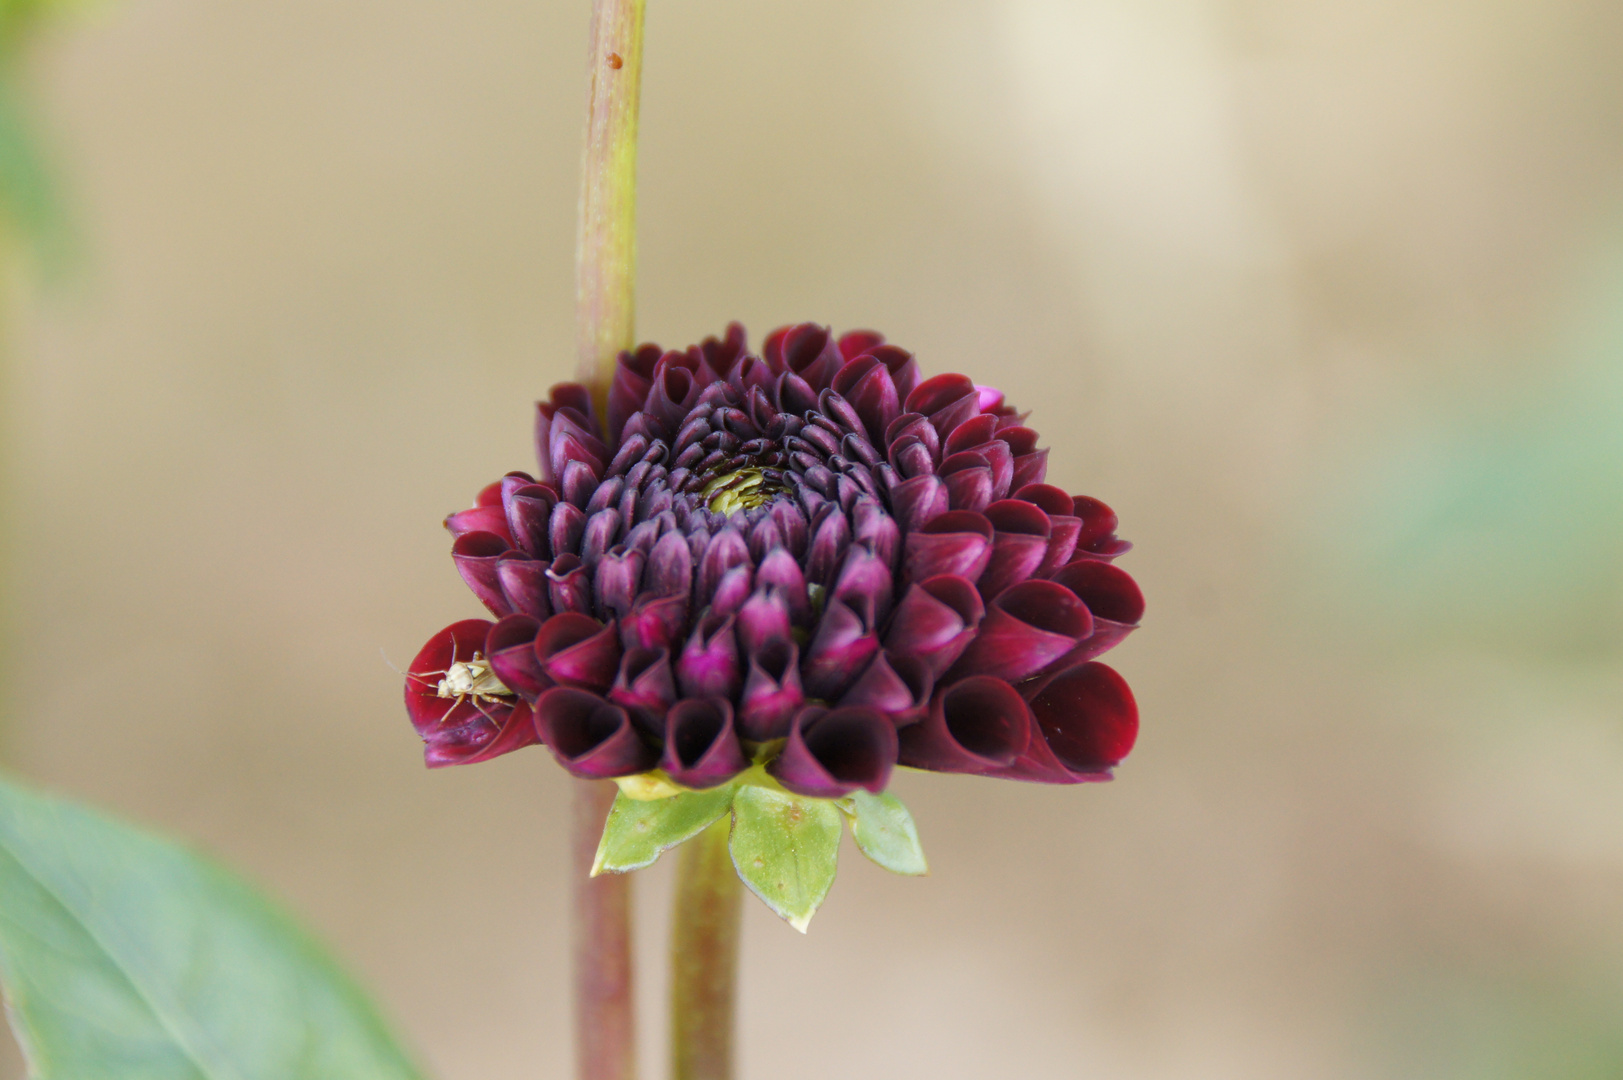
[785,848]
[638,831]
[884,831]
[123,955]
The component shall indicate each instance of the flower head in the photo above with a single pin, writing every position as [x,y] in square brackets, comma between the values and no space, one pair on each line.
[811,557]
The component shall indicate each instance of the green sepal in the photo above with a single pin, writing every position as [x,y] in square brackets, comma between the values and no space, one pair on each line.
[638,831]
[884,831]
[785,848]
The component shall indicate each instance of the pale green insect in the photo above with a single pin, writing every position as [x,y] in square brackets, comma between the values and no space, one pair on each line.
[467,680]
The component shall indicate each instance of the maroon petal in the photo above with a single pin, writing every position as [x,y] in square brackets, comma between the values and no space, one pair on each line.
[565,528]
[948,400]
[958,542]
[430,713]
[971,434]
[489,519]
[772,693]
[935,622]
[811,353]
[733,589]
[968,476]
[1061,544]
[914,426]
[619,580]
[916,502]
[569,586]
[853,343]
[709,664]
[1112,597]
[525,584]
[974,725]
[529,509]
[844,645]
[646,686]
[1098,522]
[670,567]
[577,650]
[633,378]
[726,549]
[514,731]
[475,555]
[832,752]
[1027,628]
[1019,543]
[510,648]
[899,688]
[589,736]
[867,385]
[701,747]
[1085,722]
[827,548]
[871,525]
[763,619]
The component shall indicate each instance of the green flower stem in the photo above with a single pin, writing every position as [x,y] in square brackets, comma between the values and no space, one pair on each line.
[605,252]
[605,1035]
[605,269]
[704,957]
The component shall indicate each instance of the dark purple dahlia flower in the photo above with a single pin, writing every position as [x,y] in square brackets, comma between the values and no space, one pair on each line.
[807,557]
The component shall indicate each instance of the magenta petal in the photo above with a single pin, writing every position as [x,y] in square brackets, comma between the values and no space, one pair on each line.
[935,622]
[811,353]
[780,571]
[899,688]
[577,650]
[958,543]
[670,566]
[1111,596]
[510,648]
[1061,544]
[589,736]
[832,752]
[844,644]
[853,343]
[733,589]
[865,574]
[763,619]
[475,555]
[1019,543]
[726,549]
[646,686]
[772,693]
[1026,628]
[871,525]
[569,586]
[827,548]
[969,485]
[709,664]
[655,622]
[974,725]
[619,580]
[701,747]
[1031,468]
[489,519]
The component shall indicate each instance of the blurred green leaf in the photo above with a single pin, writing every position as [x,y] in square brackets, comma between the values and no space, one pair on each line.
[884,831]
[785,848]
[125,956]
[638,831]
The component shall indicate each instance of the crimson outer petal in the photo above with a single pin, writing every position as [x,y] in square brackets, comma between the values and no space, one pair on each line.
[814,544]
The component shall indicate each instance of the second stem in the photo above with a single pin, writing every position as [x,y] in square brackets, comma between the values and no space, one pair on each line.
[704,957]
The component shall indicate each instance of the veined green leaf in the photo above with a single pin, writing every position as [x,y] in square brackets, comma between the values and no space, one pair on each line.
[884,831]
[126,957]
[638,831]
[785,848]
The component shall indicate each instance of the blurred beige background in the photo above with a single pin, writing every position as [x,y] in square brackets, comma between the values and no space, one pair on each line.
[1326,299]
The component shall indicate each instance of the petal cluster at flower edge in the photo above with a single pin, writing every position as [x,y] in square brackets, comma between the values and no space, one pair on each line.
[810,556]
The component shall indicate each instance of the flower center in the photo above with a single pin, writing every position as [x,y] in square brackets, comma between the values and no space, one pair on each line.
[748,488]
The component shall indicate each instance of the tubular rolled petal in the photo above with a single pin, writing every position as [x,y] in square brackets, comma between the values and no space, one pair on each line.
[832,752]
[975,725]
[865,575]
[510,648]
[780,571]
[1019,544]
[475,555]
[935,622]
[458,643]
[844,644]
[701,746]
[619,581]
[763,619]
[733,590]
[1026,628]
[1088,719]
[590,737]
[899,688]
[525,584]
[1111,595]
[772,693]
[919,501]
[576,650]
[569,586]
[646,686]
[670,567]
[528,511]
[655,622]
[709,665]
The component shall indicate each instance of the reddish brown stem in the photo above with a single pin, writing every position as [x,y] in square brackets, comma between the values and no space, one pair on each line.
[605,1044]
